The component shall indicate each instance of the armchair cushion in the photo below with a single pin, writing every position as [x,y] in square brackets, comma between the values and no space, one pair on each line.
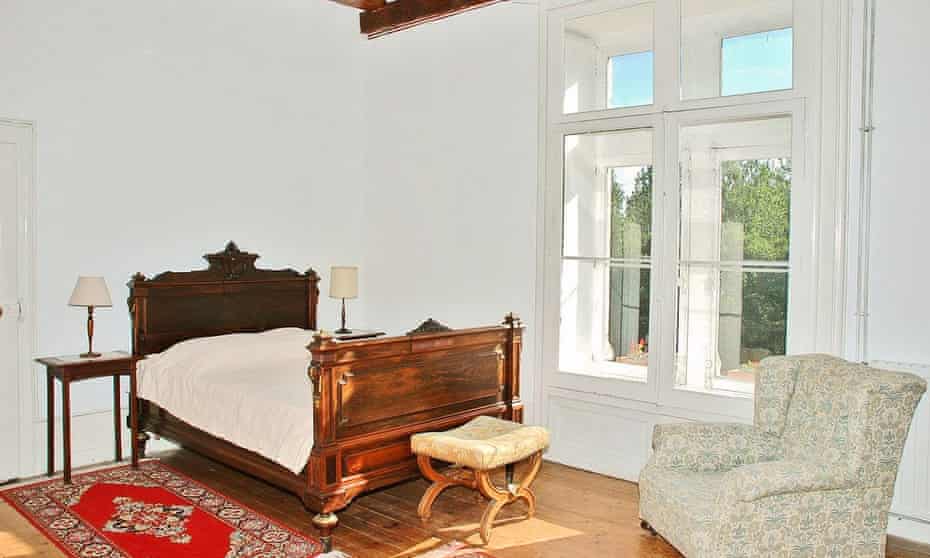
[761,480]
[711,446]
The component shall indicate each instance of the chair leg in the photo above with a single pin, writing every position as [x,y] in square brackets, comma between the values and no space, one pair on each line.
[426,502]
[487,519]
[523,491]
[440,483]
[500,498]
[643,524]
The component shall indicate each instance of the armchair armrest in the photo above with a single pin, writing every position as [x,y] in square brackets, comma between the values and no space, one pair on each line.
[711,446]
[762,480]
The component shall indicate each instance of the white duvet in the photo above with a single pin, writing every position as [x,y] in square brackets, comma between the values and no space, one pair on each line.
[250,389]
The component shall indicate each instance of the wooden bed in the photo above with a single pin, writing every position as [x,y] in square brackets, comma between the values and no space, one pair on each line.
[369,396]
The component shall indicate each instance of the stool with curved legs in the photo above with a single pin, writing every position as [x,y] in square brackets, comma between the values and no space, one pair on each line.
[480,480]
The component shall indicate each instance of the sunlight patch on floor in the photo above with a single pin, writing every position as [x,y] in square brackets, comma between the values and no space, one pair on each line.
[419,548]
[506,533]
[15,547]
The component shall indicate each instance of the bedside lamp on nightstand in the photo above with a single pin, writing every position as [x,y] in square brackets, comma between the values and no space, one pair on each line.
[91,292]
[343,283]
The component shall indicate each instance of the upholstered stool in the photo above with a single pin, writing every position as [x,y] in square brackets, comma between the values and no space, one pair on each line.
[480,446]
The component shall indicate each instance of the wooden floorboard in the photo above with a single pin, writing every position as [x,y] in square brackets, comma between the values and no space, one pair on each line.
[579,514]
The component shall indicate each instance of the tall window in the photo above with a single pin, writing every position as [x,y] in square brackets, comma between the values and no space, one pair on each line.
[733,264]
[682,212]
[606,253]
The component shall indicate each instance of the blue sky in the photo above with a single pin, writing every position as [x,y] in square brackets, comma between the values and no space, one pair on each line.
[750,64]
[631,75]
[758,62]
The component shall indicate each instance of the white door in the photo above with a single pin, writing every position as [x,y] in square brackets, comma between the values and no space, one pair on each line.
[16,156]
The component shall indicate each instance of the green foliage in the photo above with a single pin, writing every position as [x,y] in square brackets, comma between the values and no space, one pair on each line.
[757,193]
[765,312]
[635,209]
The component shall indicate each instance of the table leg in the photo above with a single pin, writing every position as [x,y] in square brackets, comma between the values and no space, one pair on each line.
[50,430]
[66,427]
[117,412]
[133,419]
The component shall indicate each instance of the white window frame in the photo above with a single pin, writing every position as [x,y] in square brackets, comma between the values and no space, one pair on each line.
[815,309]
[801,313]
[614,386]
[743,154]
[616,369]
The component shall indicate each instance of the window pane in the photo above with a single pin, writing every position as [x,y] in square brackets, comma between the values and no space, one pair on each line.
[753,322]
[607,185]
[757,62]
[606,256]
[734,47]
[604,319]
[756,200]
[630,212]
[629,80]
[733,250]
[628,331]
[608,60]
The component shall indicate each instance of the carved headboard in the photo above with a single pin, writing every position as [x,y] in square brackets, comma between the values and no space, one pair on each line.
[230,296]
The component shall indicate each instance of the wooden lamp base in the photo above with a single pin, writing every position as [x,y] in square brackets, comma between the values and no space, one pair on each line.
[91,353]
[343,330]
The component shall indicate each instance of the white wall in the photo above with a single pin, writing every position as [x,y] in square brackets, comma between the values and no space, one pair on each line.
[166,129]
[450,192]
[900,185]
[897,322]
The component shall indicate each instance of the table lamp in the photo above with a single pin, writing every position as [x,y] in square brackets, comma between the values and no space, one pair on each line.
[343,283]
[90,292]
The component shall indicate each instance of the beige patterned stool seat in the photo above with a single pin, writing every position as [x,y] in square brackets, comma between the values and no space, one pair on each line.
[482,445]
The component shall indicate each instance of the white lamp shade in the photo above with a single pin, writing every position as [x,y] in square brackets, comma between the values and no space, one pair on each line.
[343,282]
[90,291]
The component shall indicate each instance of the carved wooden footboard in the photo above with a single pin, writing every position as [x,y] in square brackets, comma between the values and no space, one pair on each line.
[370,396]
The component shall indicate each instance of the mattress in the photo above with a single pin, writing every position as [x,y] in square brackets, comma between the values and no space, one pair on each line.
[251,389]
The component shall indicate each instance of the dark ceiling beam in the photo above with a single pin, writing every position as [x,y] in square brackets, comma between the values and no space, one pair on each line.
[362,4]
[401,14]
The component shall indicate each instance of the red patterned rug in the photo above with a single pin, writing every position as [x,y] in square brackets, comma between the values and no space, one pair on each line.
[151,512]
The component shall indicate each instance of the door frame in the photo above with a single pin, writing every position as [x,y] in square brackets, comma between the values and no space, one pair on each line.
[26,293]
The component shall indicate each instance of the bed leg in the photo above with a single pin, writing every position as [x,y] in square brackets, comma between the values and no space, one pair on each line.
[326,523]
[141,440]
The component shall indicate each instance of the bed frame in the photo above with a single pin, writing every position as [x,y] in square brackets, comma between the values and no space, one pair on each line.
[369,396]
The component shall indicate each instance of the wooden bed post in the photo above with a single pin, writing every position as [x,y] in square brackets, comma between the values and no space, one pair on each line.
[512,364]
[322,471]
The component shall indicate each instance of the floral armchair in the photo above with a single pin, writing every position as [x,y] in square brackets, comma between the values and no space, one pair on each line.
[813,476]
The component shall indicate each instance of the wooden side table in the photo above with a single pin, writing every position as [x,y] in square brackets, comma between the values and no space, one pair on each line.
[74,369]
